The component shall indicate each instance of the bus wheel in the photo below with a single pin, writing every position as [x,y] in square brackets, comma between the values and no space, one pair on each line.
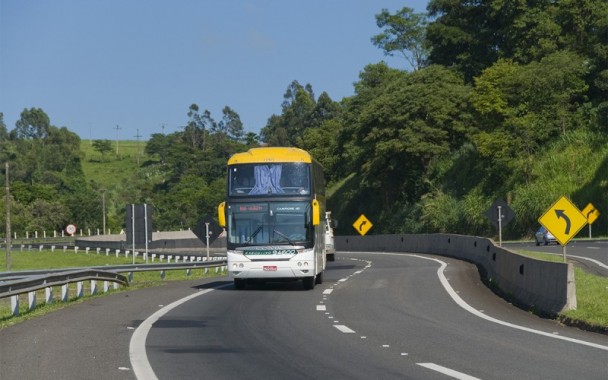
[319,278]
[239,284]
[331,257]
[309,282]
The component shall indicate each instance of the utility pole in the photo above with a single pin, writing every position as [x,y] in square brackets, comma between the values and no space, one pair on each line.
[7,205]
[103,209]
[137,136]
[117,129]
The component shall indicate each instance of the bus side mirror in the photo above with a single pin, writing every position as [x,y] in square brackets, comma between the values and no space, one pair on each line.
[221,214]
[316,213]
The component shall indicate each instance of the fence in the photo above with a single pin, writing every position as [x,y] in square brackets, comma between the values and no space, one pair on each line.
[12,284]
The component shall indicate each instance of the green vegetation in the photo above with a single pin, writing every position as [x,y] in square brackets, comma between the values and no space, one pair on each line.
[112,170]
[58,259]
[591,296]
[592,301]
[502,101]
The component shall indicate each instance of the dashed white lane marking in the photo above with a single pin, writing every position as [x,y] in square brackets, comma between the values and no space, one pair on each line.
[447,371]
[344,329]
[328,291]
[321,307]
[460,302]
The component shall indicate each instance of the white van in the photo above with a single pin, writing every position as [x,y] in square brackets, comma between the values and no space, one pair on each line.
[330,249]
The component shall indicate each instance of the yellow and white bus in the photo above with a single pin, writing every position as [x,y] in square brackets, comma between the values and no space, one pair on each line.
[272,215]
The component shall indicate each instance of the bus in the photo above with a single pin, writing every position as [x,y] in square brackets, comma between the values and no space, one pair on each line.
[272,216]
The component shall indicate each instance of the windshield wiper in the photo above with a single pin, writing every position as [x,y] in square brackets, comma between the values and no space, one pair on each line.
[285,236]
[254,234]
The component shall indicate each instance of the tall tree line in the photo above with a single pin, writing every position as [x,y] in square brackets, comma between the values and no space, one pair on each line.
[498,95]
[495,99]
[182,180]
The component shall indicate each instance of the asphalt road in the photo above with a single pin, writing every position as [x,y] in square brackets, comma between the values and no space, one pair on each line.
[387,316]
[375,316]
[589,254]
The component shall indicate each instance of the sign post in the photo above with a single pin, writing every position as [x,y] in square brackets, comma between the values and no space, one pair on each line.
[564,220]
[207,237]
[207,230]
[500,214]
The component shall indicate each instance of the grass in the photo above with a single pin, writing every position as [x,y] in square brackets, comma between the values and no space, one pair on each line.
[112,169]
[591,296]
[58,259]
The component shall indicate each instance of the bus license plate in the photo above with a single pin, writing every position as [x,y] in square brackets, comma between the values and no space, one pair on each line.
[270,267]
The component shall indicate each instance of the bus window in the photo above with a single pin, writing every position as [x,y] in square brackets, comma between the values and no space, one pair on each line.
[269,179]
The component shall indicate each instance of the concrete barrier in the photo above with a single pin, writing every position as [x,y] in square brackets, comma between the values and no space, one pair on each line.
[546,287]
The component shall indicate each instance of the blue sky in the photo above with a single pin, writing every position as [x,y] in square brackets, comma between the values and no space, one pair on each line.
[139,64]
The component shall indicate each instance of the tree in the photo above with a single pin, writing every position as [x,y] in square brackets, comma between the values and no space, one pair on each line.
[414,120]
[102,146]
[404,33]
[252,139]
[33,124]
[372,82]
[232,124]
[288,128]
[522,107]
[160,145]
[195,132]
[3,130]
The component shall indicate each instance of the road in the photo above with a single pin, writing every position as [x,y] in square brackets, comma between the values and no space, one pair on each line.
[589,254]
[388,316]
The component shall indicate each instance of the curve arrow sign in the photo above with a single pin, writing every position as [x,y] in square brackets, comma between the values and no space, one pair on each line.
[362,224]
[562,214]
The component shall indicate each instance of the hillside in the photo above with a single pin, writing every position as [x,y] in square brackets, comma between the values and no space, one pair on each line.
[575,165]
[113,169]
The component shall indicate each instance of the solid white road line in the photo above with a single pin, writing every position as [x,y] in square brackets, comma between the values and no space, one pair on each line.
[460,302]
[596,262]
[137,346]
[476,312]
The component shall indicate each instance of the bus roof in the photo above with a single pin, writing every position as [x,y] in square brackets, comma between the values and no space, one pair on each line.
[270,154]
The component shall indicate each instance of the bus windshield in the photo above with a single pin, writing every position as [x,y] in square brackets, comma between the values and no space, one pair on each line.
[269,179]
[263,223]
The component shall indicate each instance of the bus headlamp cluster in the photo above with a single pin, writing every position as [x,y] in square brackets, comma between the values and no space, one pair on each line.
[238,266]
[303,263]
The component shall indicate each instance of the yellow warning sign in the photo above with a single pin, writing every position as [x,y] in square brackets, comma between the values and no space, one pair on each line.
[563,219]
[591,213]
[362,225]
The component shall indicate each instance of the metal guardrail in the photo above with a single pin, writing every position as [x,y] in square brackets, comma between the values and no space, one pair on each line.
[16,275]
[12,284]
[34,283]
